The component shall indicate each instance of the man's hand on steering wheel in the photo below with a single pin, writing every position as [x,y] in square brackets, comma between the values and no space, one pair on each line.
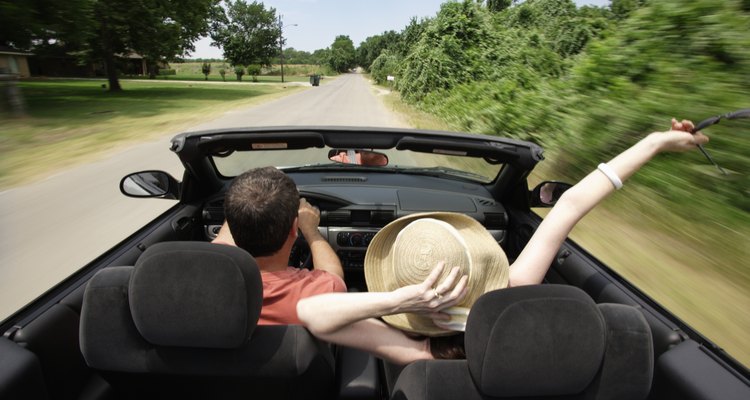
[309,218]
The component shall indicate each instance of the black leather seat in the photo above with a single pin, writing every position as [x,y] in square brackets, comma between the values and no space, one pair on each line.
[541,342]
[182,324]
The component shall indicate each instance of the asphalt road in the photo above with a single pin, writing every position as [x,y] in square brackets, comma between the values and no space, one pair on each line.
[53,227]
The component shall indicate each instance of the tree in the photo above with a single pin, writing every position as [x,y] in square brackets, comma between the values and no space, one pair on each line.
[239,71]
[158,31]
[458,46]
[321,56]
[206,69]
[622,8]
[371,48]
[342,56]
[293,56]
[254,70]
[410,36]
[386,64]
[498,5]
[248,33]
[24,23]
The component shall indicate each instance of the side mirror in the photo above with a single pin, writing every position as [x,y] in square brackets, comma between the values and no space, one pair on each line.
[149,184]
[547,193]
[359,157]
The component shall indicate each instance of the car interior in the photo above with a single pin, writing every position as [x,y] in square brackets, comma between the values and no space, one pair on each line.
[167,314]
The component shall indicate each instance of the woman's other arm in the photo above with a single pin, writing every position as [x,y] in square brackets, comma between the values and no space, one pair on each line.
[349,319]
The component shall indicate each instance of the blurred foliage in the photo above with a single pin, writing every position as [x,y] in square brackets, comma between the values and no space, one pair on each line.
[590,81]
[671,58]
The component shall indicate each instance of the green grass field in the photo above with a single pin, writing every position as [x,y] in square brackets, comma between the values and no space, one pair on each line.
[72,121]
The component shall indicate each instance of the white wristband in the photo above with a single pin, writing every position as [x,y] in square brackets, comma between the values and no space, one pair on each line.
[611,174]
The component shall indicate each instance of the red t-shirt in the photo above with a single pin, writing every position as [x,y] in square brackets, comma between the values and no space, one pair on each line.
[283,289]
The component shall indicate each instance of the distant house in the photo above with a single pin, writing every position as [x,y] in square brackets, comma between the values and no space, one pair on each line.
[66,64]
[132,64]
[14,62]
[62,65]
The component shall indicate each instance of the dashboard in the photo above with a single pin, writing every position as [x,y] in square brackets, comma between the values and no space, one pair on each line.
[352,212]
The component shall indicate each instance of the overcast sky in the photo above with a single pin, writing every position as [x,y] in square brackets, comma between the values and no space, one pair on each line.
[318,22]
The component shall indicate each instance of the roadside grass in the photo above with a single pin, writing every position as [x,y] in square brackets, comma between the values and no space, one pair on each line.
[694,268]
[70,121]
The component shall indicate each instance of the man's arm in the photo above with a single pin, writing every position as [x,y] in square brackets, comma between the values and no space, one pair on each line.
[224,236]
[323,256]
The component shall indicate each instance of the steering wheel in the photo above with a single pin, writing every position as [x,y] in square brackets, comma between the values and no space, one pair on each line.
[301,256]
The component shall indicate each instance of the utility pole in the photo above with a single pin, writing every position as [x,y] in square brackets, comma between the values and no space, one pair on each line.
[281,48]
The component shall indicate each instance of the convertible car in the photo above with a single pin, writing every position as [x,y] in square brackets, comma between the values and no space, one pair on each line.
[136,323]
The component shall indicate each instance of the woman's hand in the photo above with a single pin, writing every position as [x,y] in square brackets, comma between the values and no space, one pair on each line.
[679,138]
[432,296]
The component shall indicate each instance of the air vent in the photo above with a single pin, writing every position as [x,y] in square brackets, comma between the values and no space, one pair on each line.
[344,179]
[495,220]
[338,217]
[382,217]
[486,202]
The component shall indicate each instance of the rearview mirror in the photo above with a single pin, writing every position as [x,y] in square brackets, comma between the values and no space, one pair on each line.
[149,184]
[359,157]
[547,193]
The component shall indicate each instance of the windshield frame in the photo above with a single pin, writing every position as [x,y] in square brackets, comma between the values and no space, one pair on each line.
[438,165]
[522,156]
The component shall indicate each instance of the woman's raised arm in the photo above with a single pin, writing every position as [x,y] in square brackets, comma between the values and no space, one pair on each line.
[532,264]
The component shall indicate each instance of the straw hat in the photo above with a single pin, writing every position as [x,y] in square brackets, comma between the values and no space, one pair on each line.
[405,251]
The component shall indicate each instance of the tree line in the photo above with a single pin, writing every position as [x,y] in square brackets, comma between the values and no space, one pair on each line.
[159,31]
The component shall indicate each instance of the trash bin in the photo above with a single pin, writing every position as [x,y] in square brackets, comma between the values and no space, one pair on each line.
[315,80]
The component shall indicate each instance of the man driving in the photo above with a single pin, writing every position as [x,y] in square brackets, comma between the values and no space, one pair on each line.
[264,214]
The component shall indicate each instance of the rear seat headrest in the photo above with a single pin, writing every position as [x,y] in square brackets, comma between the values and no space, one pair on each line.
[534,341]
[195,294]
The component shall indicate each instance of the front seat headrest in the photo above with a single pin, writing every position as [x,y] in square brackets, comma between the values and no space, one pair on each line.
[547,340]
[193,294]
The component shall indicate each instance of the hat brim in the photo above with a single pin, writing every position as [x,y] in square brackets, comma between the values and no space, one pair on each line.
[390,265]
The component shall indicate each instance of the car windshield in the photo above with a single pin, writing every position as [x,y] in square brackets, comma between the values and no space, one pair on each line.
[449,166]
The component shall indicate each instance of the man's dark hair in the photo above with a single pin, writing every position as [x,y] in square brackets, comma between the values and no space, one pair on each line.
[260,207]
